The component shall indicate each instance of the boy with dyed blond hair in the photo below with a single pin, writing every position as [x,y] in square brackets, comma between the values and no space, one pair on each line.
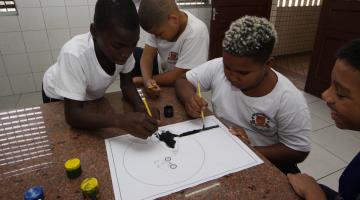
[180,39]
[249,93]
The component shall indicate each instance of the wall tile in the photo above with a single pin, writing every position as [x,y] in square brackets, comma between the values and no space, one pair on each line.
[55,54]
[40,61]
[78,16]
[92,2]
[78,31]
[204,13]
[193,11]
[11,42]
[92,12]
[58,38]
[31,19]
[36,41]
[17,64]
[55,17]
[9,24]
[27,3]
[49,3]
[2,66]
[76,2]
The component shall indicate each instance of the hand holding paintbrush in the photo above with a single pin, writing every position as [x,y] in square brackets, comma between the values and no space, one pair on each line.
[202,112]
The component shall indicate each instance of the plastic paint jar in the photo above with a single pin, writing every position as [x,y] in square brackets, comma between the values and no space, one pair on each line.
[73,168]
[90,188]
[34,193]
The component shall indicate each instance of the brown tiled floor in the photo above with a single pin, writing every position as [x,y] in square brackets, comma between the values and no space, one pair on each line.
[294,67]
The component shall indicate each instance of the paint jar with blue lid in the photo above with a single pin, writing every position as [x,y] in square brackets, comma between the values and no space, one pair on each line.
[34,193]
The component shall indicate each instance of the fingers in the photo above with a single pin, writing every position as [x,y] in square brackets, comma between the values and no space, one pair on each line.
[240,133]
[153,92]
[195,105]
[200,102]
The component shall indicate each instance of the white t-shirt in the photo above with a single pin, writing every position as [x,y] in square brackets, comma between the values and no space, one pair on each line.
[77,73]
[188,51]
[280,116]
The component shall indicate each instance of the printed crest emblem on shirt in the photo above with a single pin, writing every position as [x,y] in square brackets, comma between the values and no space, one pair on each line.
[260,121]
[172,57]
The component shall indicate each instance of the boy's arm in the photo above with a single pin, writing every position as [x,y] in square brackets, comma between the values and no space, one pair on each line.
[279,154]
[306,187]
[184,89]
[130,92]
[146,62]
[76,117]
[138,124]
[169,78]
[186,92]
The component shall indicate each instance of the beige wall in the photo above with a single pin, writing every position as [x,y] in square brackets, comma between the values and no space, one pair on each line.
[296,27]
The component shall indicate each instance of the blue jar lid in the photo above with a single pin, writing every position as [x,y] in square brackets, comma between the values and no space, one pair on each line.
[34,193]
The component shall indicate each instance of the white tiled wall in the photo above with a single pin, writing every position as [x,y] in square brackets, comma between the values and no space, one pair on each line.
[31,41]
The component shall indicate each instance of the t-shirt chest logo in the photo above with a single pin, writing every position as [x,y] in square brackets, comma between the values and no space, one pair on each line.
[260,121]
[172,57]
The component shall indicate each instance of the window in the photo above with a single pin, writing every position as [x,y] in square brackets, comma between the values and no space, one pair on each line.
[7,8]
[298,3]
[193,2]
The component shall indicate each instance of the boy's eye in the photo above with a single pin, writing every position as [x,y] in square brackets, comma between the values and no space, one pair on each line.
[340,95]
[243,73]
[117,46]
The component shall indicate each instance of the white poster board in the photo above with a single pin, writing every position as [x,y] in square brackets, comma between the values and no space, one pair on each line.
[148,169]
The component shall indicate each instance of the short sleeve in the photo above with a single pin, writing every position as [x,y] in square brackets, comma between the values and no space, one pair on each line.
[194,52]
[295,129]
[204,73]
[151,40]
[70,78]
[129,65]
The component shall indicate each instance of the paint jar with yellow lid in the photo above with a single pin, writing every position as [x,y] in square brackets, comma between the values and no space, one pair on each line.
[73,168]
[90,188]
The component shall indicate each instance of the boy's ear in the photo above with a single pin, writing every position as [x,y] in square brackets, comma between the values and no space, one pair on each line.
[173,17]
[269,63]
[93,30]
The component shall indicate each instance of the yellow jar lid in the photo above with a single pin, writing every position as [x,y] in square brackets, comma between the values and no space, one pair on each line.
[72,164]
[89,184]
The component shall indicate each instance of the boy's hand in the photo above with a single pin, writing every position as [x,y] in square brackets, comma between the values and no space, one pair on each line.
[195,105]
[305,186]
[138,124]
[155,112]
[240,133]
[138,81]
[152,88]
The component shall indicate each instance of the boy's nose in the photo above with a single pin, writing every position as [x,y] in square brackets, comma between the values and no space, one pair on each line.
[327,95]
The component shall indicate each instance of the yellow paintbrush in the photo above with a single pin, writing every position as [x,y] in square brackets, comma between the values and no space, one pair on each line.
[199,94]
[142,96]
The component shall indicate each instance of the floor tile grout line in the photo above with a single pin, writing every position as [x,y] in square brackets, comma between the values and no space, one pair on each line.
[330,174]
[18,101]
[323,128]
[326,149]
[321,117]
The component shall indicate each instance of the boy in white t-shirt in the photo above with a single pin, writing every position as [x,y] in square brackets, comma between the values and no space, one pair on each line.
[180,39]
[89,63]
[248,92]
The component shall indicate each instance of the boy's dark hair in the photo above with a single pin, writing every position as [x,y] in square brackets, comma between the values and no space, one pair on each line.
[153,13]
[252,37]
[350,52]
[122,12]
